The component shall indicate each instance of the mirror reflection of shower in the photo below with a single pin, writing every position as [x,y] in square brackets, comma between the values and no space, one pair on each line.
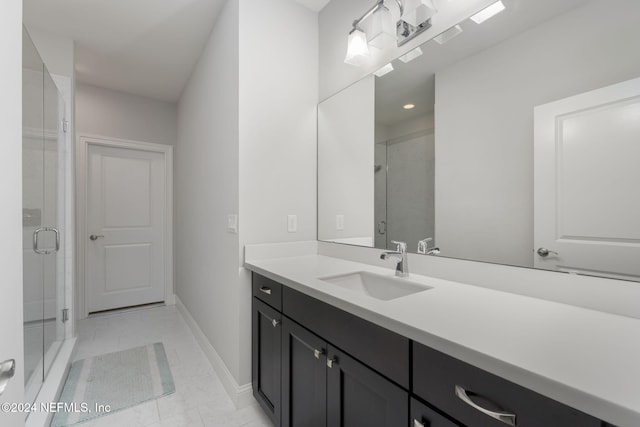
[404,189]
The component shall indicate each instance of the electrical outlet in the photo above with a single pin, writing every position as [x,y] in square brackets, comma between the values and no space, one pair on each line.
[292,223]
[340,222]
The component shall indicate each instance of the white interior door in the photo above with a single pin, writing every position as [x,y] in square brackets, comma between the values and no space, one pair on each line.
[587,172]
[125,223]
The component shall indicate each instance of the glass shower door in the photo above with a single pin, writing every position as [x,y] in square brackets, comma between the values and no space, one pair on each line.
[54,272]
[32,211]
[43,154]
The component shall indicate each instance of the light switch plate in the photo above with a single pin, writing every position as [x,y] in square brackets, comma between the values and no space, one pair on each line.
[292,223]
[340,222]
[232,223]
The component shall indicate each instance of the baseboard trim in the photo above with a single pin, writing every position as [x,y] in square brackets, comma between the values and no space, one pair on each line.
[241,395]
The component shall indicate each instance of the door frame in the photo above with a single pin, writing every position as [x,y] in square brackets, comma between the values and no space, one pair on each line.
[82,148]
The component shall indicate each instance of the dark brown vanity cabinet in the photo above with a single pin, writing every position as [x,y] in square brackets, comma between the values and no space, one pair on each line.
[315,365]
[323,385]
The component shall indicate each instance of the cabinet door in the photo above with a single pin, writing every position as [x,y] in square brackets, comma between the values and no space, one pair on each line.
[423,416]
[304,383]
[358,396]
[266,358]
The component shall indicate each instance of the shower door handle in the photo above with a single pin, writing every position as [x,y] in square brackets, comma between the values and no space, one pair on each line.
[7,371]
[37,232]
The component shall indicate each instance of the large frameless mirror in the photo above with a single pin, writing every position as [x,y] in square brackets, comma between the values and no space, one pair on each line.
[515,141]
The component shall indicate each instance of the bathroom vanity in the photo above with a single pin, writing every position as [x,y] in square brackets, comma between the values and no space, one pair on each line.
[447,355]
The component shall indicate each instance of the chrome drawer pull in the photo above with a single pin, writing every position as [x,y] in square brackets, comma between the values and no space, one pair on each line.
[275,322]
[317,353]
[417,423]
[505,417]
[265,290]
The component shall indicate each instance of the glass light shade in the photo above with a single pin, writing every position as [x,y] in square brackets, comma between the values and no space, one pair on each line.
[357,49]
[418,11]
[381,29]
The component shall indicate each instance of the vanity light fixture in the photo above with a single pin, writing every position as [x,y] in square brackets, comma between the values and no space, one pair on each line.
[445,36]
[488,12]
[408,106]
[357,48]
[379,29]
[384,70]
[418,11]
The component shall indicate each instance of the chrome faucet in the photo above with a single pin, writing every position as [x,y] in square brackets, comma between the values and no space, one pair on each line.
[424,249]
[402,268]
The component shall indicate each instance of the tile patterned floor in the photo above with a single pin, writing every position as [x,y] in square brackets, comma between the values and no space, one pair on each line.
[199,400]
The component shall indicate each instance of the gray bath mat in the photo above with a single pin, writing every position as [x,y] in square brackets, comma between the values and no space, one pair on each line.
[120,380]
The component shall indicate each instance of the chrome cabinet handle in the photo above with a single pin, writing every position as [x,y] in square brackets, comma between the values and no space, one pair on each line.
[317,353]
[7,371]
[544,252]
[331,362]
[95,237]
[275,322]
[505,417]
[417,423]
[37,232]
[265,290]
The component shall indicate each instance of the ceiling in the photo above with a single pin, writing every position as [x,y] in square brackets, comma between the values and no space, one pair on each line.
[143,47]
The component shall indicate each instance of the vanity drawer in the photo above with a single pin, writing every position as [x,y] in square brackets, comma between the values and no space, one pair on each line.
[377,347]
[267,291]
[444,381]
[423,416]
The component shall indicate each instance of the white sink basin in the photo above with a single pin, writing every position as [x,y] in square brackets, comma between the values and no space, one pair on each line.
[375,285]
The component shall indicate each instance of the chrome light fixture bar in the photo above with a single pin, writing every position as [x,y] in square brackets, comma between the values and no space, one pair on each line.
[420,16]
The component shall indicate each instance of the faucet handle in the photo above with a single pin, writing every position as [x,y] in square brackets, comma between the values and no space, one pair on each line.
[400,246]
[423,245]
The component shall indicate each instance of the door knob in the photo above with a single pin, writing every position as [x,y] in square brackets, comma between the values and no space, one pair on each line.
[544,252]
[96,236]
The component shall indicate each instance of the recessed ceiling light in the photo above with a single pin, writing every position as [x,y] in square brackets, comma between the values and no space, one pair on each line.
[408,106]
[488,12]
[384,70]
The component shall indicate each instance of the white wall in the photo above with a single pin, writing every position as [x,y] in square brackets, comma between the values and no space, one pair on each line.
[278,98]
[206,190]
[484,168]
[246,144]
[106,112]
[57,52]
[11,196]
[346,163]
[410,189]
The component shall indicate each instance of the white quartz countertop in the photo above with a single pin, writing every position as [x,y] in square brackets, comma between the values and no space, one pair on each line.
[586,359]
